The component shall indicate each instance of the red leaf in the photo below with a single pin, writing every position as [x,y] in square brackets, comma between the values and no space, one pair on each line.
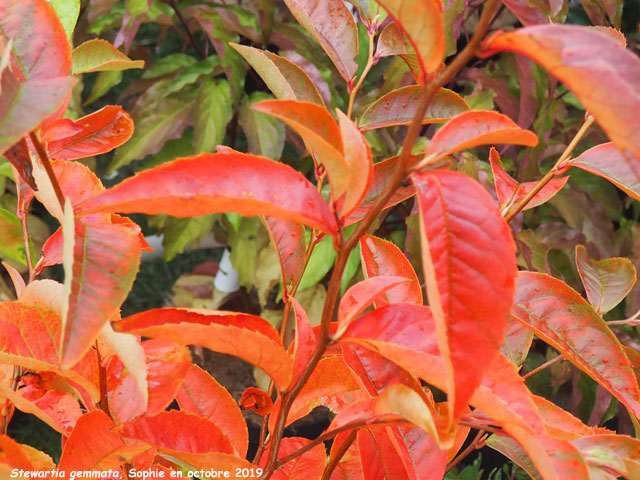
[210,183]
[350,465]
[224,332]
[361,295]
[19,156]
[256,400]
[332,24]
[478,127]
[561,317]
[606,161]
[608,89]
[168,364]
[423,23]
[320,132]
[607,281]
[510,191]
[189,433]
[382,258]
[98,279]
[82,452]
[304,342]
[201,394]
[382,460]
[382,172]
[616,452]
[289,240]
[304,467]
[398,107]
[469,262]
[357,154]
[94,134]
[284,78]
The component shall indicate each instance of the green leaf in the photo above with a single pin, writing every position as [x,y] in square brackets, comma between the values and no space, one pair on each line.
[168,64]
[136,7]
[99,55]
[103,83]
[320,263]
[68,11]
[180,232]
[180,147]
[265,134]
[193,73]
[245,244]
[213,111]
[11,243]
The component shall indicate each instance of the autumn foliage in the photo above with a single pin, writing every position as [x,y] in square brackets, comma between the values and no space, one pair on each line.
[410,363]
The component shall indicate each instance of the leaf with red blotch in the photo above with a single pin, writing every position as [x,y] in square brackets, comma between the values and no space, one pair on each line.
[59,410]
[610,163]
[391,42]
[305,467]
[285,79]
[94,134]
[210,183]
[304,342]
[189,433]
[101,263]
[17,455]
[607,281]
[320,132]
[331,384]
[619,453]
[201,394]
[561,317]
[333,25]
[289,240]
[422,21]
[382,258]
[357,154]
[257,400]
[510,191]
[405,334]
[30,337]
[398,107]
[517,341]
[224,332]
[19,156]
[608,89]
[82,452]
[478,127]
[382,172]
[469,260]
[98,55]
[361,295]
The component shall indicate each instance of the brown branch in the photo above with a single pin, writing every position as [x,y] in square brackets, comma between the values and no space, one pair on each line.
[539,368]
[192,40]
[335,459]
[48,168]
[478,442]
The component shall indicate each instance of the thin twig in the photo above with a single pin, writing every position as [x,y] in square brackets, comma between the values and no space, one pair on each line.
[539,368]
[192,40]
[337,456]
[367,68]
[48,168]
[478,442]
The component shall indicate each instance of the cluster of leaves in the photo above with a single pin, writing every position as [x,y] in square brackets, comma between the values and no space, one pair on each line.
[406,377]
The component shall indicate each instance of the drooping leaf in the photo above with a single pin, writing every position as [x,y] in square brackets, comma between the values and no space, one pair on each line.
[180,232]
[224,332]
[469,261]
[98,55]
[362,294]
[513,451]
[357,154]
[211,183]
[608,89]
[607,281]
[510,191]
[19,158]
[422,22]
[94,134]
[478,127]
[285,79]
[391,42]
[321,260]
[398,107]
[382,258]
[304,342]
[265,134]
[201,394]
[189,433]
[562,318]
[82,453]
[213,111]
[610,163]
[333,25]
[320,132]
[288,238]
[517,341]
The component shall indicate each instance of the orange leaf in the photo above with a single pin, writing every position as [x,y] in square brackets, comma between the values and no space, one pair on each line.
[210,183]
[608,89]
[561,317]
[423,23]
[382,258]
[201,394]
[256,400]
[304,467]
[224,332]
[478,127]
[304,342]
[288,238]
[469,262]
